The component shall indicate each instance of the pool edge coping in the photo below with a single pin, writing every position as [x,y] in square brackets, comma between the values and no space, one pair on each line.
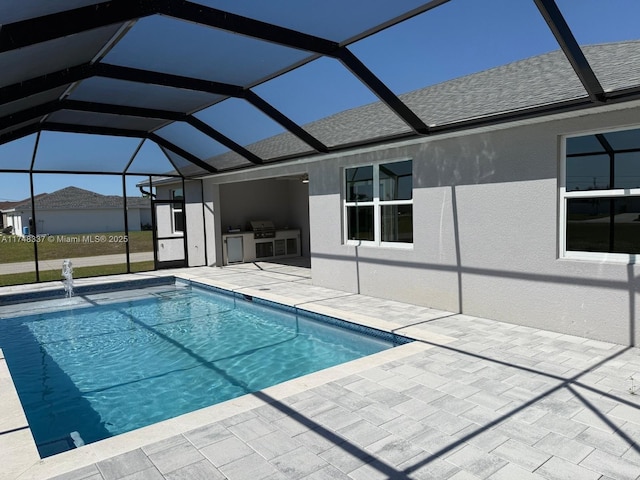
[50,292]
[16,438]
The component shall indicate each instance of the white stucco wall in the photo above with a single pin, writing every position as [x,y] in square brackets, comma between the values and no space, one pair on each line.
[213,225]
[133,219]
[94,220]
[170,249]
[144,216]
[164,220]
[485,234]
[55,222]
[299,214]
[195,222]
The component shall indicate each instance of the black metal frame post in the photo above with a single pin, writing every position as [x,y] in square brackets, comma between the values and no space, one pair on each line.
[569,45]
[33,205]
[126,221]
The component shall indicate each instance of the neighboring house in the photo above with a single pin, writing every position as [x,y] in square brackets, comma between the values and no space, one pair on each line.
[3,206]
[8,206]
[533,221]
[74,210]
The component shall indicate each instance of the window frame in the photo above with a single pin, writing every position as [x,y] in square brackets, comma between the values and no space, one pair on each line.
[564,196]
[177,200]
[377,205]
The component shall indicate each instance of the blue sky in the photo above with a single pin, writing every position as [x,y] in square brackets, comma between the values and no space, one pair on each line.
[456,39]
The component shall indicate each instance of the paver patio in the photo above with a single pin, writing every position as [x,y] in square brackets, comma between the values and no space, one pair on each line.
[471,399]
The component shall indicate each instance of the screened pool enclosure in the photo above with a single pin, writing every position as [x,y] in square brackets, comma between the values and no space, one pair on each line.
[101,101]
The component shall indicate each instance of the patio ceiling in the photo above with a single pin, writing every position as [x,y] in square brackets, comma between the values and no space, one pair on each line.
[169,71]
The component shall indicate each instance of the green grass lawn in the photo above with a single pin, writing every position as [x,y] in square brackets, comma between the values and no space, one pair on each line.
[14,249]
[80,272]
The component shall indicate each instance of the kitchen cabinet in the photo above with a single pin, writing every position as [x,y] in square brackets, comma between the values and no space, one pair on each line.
[285,243]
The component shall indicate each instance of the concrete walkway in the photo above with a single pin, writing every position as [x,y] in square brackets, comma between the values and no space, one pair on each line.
[471,399]
[24,267]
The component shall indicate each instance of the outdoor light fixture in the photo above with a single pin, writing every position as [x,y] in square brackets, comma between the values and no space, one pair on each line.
[305,178]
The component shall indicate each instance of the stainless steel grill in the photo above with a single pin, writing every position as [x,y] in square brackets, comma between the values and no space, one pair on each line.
[263,229]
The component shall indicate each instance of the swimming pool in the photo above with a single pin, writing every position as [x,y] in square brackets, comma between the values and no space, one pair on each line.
[120,364]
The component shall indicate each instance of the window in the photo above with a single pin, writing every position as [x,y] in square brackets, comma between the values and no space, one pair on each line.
[600,195]
[378,204]
[177,210]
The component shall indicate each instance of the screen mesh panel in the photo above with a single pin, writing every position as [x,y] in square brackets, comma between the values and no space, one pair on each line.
[150,160]
[83,152]
[144,95]
[105,120]
[31,101]
[335,20]
[17,155]
[170,46]
[16,10]
[52,56]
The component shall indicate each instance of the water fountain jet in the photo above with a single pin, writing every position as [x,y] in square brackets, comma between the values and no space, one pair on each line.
[67,275]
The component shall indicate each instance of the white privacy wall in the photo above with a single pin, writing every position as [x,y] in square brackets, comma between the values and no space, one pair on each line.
[194,218]
[485,234]
[212,225]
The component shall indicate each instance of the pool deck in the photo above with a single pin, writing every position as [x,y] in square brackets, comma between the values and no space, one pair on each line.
[471,399]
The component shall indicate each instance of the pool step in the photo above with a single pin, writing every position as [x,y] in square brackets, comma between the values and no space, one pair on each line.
[52,447]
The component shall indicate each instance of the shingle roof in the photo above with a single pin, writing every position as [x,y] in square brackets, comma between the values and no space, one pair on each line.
[8,205]
[540,80]
[11,205]
[77,198]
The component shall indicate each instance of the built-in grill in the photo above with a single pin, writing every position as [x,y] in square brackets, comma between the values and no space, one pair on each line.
[263,229]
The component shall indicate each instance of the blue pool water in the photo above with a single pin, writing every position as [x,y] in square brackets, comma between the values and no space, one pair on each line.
[107,369]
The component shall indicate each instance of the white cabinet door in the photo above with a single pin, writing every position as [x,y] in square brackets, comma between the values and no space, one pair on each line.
[234,250]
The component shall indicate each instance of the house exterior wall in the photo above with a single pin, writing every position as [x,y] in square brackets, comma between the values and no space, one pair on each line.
[168,249]
[212,223]
[15,220]
[164,220]
[299,205]
[144,217]
[173,249]
[59,222]
[194,217]
[81,221]
[485,219]
[133,220]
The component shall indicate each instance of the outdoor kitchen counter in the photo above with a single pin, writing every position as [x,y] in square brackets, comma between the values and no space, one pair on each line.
[243,247]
